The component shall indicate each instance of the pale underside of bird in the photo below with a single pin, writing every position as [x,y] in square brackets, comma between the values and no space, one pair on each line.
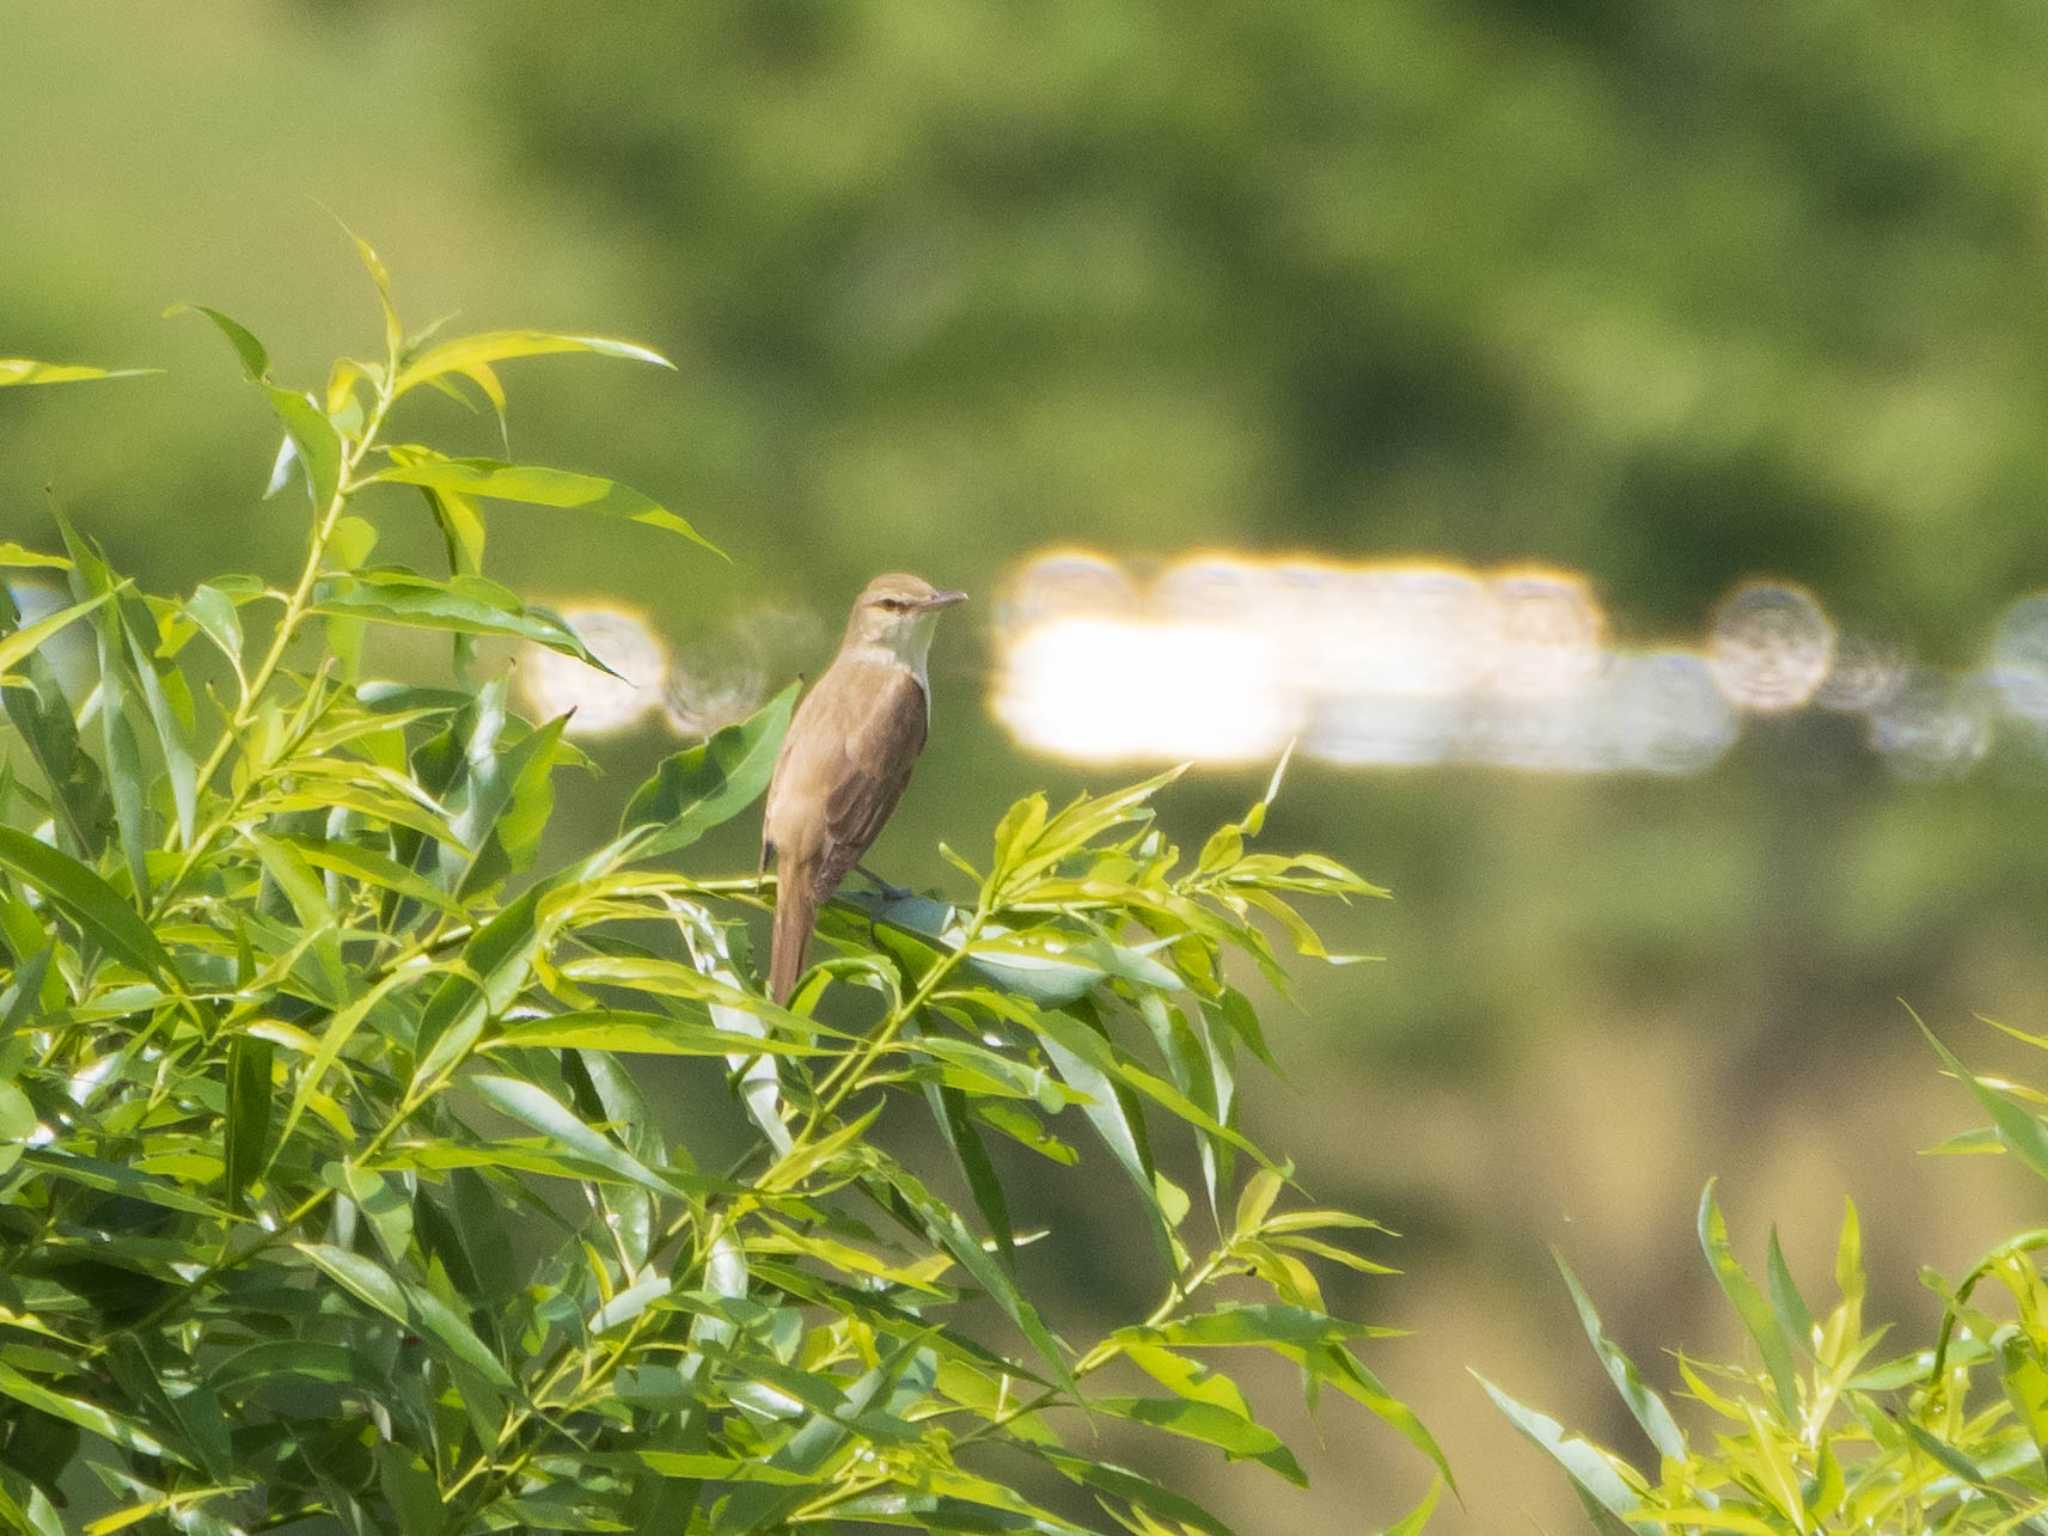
[846,758]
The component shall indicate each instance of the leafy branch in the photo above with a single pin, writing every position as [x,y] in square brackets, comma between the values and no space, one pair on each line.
[329,1114]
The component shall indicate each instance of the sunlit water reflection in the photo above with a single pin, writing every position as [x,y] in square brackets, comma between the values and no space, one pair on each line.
[1222,658]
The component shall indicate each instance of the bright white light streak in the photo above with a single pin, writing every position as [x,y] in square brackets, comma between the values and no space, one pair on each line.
[1107,690]
[1665,714]
[1548,633]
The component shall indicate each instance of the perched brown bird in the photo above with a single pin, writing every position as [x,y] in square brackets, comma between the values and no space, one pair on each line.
[846,758]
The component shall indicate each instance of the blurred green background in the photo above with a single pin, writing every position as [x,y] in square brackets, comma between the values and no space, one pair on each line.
[1668,294]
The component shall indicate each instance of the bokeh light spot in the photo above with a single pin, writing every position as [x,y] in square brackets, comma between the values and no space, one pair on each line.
[1935,727]
[554,684]
[2019,658]
[1771,647]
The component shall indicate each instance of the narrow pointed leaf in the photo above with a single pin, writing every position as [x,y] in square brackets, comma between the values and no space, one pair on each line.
[87,900]
[495,480]
[250,352]
[1749,1303]
[1642,1400]
[705,785]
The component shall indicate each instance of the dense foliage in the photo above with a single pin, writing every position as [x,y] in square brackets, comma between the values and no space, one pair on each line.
[334,1184]
[1819,1434]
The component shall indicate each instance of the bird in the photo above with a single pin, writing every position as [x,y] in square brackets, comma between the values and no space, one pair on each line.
[847,757]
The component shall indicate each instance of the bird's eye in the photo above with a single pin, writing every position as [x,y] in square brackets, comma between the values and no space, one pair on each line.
[893,604]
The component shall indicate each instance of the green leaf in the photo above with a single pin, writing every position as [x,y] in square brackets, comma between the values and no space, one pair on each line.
[26,370]
[88,901]
[215,614]
[1417,1519]
[534,1106]
[254,359]
[754,1507]
[469,605]
[949,1108]
[341,1027]
[410,1306]
[1248,1323]
[2025,1379]
[248,1117]
[1213,1425]
[16,646]
[90,1416]
[313,435]
[2021,1131]
[467,353]
[42,714]
[1795,1321]
[372,868]
[1085,1060]
[123,762]
[15,557]
[1335,1364]
[116,1179]
[703,786]
[394,333]
[24,991]
[169,704]
[644,1034]
[944,1226]
[1749,1303]
[284,1360]
[1642,1400]
[1134,1488]
[495,480]
[1588,1468]
[17,1115]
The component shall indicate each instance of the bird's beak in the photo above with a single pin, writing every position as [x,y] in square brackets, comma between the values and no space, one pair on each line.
[943,600]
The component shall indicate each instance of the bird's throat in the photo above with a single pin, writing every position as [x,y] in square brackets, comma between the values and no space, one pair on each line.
[907,647]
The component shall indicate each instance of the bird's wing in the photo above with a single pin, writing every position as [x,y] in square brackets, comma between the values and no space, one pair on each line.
[879,749]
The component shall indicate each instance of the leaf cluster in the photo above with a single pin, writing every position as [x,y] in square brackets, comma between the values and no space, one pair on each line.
[1819,1431]
[332,1188]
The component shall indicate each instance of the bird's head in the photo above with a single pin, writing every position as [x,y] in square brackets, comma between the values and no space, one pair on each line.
[897,613]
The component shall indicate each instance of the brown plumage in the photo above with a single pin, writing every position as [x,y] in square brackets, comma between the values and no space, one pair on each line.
[847,758]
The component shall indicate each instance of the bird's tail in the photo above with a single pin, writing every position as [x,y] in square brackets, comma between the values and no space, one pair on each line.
[796,909]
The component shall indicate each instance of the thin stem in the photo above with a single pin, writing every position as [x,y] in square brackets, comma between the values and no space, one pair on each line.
[287,630]
[844,1080]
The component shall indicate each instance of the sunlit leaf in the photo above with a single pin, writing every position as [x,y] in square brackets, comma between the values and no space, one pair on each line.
[86,1415]
[87,900]
[15,556]
[495,480]
[705,785]
[467,353]
[255,360]
[471,605]
[313,435]
[534,1106]
[1748,1301]
[24,370]
[1643,1402]
[1588,1468]
[29,637]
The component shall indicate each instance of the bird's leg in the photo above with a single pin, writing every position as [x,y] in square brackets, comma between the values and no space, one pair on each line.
[889,892]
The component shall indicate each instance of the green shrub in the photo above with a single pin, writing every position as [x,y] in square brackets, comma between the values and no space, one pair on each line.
[1817,1434]
[330,1194]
